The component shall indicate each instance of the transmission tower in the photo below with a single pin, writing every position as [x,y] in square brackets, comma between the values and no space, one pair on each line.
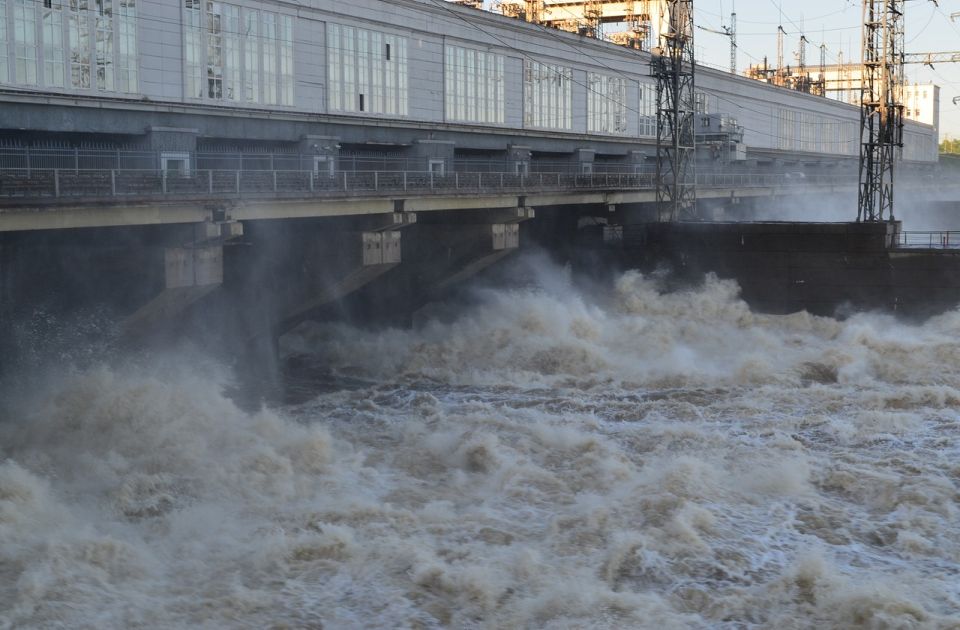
[881,106]
[672,65]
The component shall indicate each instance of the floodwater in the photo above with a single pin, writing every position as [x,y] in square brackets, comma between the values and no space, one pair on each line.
[553,457]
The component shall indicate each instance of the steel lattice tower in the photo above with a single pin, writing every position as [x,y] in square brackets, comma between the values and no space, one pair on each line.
[881,106]
[672,65]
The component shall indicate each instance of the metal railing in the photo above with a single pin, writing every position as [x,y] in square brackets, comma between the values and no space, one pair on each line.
[110,183]
[77,159]
[929,240]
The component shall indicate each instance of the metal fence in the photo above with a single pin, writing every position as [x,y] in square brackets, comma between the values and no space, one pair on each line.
[929,240]
[30,159]
[82,159]
[109,183]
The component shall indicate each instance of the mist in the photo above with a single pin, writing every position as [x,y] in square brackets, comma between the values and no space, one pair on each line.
[915,197]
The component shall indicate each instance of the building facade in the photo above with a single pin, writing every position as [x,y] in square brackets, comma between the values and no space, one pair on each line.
[414,69]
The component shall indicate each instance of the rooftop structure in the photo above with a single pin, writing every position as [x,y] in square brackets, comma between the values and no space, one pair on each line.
[640,20]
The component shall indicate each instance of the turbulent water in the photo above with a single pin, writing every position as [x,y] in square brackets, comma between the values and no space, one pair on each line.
[549,458]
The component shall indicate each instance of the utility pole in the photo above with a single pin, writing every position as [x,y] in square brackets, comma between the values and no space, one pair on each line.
[780,34]
[881,108]
[731,32]
[823,70]
[733,42]
[672,63]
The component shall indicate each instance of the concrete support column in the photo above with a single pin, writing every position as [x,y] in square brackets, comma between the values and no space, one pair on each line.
[193,266]
[190,273]
[583,158]
[435,156]
[451,247]
[375,253]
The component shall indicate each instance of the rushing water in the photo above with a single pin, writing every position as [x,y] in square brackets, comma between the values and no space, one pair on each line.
[549,458]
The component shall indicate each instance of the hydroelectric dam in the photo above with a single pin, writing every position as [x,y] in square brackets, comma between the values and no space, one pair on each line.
[332,159]
[406,314]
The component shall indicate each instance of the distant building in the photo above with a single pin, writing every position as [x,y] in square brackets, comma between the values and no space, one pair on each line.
[842,82]
[922,103]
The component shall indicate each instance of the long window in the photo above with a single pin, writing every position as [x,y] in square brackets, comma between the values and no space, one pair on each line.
[251,56]
[802,131]
[376,71]
[606,104]
[237,54]
[285,42]
[215,50]
[4,73]
[648,111]
[367,71]
[701,103]
[547,96]
[127,70]
[25,41]
[53,45]
[105,45]
[808,132]
[473,89]
[335,63]
[231,52]
[400,45]
[787,129]
[79,44]
[363,70]
[269,49]
[192,38]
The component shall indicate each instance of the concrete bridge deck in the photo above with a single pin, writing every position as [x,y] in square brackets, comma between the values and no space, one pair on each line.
[38,199]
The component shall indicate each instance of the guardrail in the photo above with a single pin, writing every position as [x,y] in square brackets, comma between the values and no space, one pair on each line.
[96,184]
[929,240]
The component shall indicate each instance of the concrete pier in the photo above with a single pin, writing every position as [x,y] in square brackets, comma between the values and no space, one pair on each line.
[823,268]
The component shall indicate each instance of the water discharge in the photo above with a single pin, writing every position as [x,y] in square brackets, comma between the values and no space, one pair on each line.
[550,458]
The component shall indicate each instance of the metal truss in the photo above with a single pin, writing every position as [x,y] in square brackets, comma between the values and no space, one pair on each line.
[881,106]
[672,64]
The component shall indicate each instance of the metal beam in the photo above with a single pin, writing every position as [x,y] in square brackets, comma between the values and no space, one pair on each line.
[930,58]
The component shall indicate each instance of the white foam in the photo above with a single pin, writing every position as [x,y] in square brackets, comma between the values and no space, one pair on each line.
[549,459]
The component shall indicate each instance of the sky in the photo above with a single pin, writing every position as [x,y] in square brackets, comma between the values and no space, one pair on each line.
[837,24]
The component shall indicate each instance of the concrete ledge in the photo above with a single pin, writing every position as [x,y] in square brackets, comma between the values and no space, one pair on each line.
[66,217]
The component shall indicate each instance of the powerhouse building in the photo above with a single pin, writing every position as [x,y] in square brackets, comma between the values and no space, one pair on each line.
[424,83]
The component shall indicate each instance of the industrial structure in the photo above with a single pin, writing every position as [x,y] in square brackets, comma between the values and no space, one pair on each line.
[399,145]
[881,107]
[673,66]
[638,22]
[799,78]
